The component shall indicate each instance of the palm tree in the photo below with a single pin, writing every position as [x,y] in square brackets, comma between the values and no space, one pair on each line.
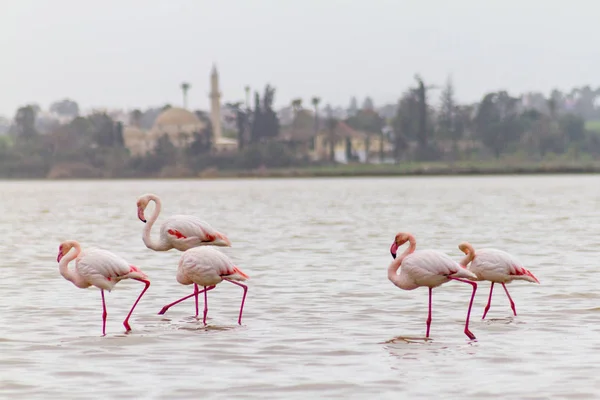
[184,88]
[247,90]
[296,105]
[331,125]
[315,102]
[135,117]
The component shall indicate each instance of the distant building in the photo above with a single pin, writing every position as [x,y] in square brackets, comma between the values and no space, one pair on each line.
[180,125]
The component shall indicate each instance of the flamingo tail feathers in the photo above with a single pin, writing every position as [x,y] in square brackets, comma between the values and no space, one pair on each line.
[525,274]
[136,273]
[465,274]
[237,275]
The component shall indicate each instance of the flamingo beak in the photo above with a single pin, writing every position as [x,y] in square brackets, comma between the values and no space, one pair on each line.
[394,249]
[141,214]
[60,255]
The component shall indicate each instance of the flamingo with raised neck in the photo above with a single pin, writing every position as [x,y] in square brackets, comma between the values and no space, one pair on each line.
[181,232]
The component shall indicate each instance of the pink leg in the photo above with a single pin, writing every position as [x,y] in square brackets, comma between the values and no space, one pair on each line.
[246,291]
[205,305]
[429,316]
[196,295]
[467,331]
[126,322]
[489,303]
[166,308]
[104,314]
[512,303]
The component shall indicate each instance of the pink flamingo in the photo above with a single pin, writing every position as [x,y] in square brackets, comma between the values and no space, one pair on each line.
[99,268]
[207,267]
[181,232]
[496,266]
[429,268]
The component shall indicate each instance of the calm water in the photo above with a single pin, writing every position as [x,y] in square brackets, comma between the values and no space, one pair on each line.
[321,318]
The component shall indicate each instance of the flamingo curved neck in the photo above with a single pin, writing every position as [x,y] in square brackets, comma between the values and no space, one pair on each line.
[72,275]
[146,237]
[469,251]
[400,280]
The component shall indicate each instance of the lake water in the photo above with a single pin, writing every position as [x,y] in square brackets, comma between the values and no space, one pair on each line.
[321,318]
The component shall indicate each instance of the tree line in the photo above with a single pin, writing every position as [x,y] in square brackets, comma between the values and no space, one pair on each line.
[532,126]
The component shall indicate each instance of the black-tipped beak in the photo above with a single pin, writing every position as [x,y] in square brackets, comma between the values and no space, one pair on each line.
[394,250]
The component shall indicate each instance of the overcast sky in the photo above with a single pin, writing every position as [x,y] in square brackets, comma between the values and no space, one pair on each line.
[135,53]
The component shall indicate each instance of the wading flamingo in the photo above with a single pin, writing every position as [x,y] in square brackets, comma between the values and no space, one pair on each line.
[207,267]
[99,268]
[496,266]
[429,268]
[181,232]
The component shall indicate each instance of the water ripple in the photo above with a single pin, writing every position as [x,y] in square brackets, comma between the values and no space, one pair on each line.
[321,318]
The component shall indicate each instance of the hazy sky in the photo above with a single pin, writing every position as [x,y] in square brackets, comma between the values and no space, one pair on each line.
[135,53]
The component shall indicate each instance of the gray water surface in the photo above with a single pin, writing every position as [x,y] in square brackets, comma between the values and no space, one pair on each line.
[321,318]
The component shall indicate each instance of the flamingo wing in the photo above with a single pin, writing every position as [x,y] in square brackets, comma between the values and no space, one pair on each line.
[102,268]
[200,263]
[181,227]
[432,267]
[494,264]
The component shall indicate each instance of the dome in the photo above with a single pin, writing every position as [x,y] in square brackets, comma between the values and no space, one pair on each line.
[133,132]
[176,116]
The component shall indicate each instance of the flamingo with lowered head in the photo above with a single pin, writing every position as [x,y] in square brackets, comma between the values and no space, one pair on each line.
[430,268]
[496,266]
[99,268]
[181,232]
[207,267]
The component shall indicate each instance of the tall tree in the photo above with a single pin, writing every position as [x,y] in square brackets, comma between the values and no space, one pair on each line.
[421,93]
[25,122]
[331,125]
[405,123]
[450,124]
[135,118]
[103,130]
[353,106]
[368,104]
[315,102]
[497,123]
[270,118]
[65,108]
[242,117]
[257,121]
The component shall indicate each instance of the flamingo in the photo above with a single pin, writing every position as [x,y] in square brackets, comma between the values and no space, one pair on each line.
[181,232]
[496,266]
[207,267]
[99,268]
[429,268]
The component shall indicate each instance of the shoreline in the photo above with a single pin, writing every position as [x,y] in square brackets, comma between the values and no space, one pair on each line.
[370,170]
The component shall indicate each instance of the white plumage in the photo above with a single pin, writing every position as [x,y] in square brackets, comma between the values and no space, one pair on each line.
[206,266]
[499,266]
[431,268]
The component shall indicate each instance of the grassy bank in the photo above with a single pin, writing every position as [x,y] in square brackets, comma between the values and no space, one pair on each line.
[415,169]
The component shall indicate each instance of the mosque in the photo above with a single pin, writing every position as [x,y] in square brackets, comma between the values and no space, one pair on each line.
[180,125]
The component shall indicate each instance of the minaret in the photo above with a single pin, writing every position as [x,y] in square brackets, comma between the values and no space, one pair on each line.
[215,104]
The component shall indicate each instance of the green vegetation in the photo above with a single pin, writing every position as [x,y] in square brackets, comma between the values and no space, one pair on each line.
[500,134]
